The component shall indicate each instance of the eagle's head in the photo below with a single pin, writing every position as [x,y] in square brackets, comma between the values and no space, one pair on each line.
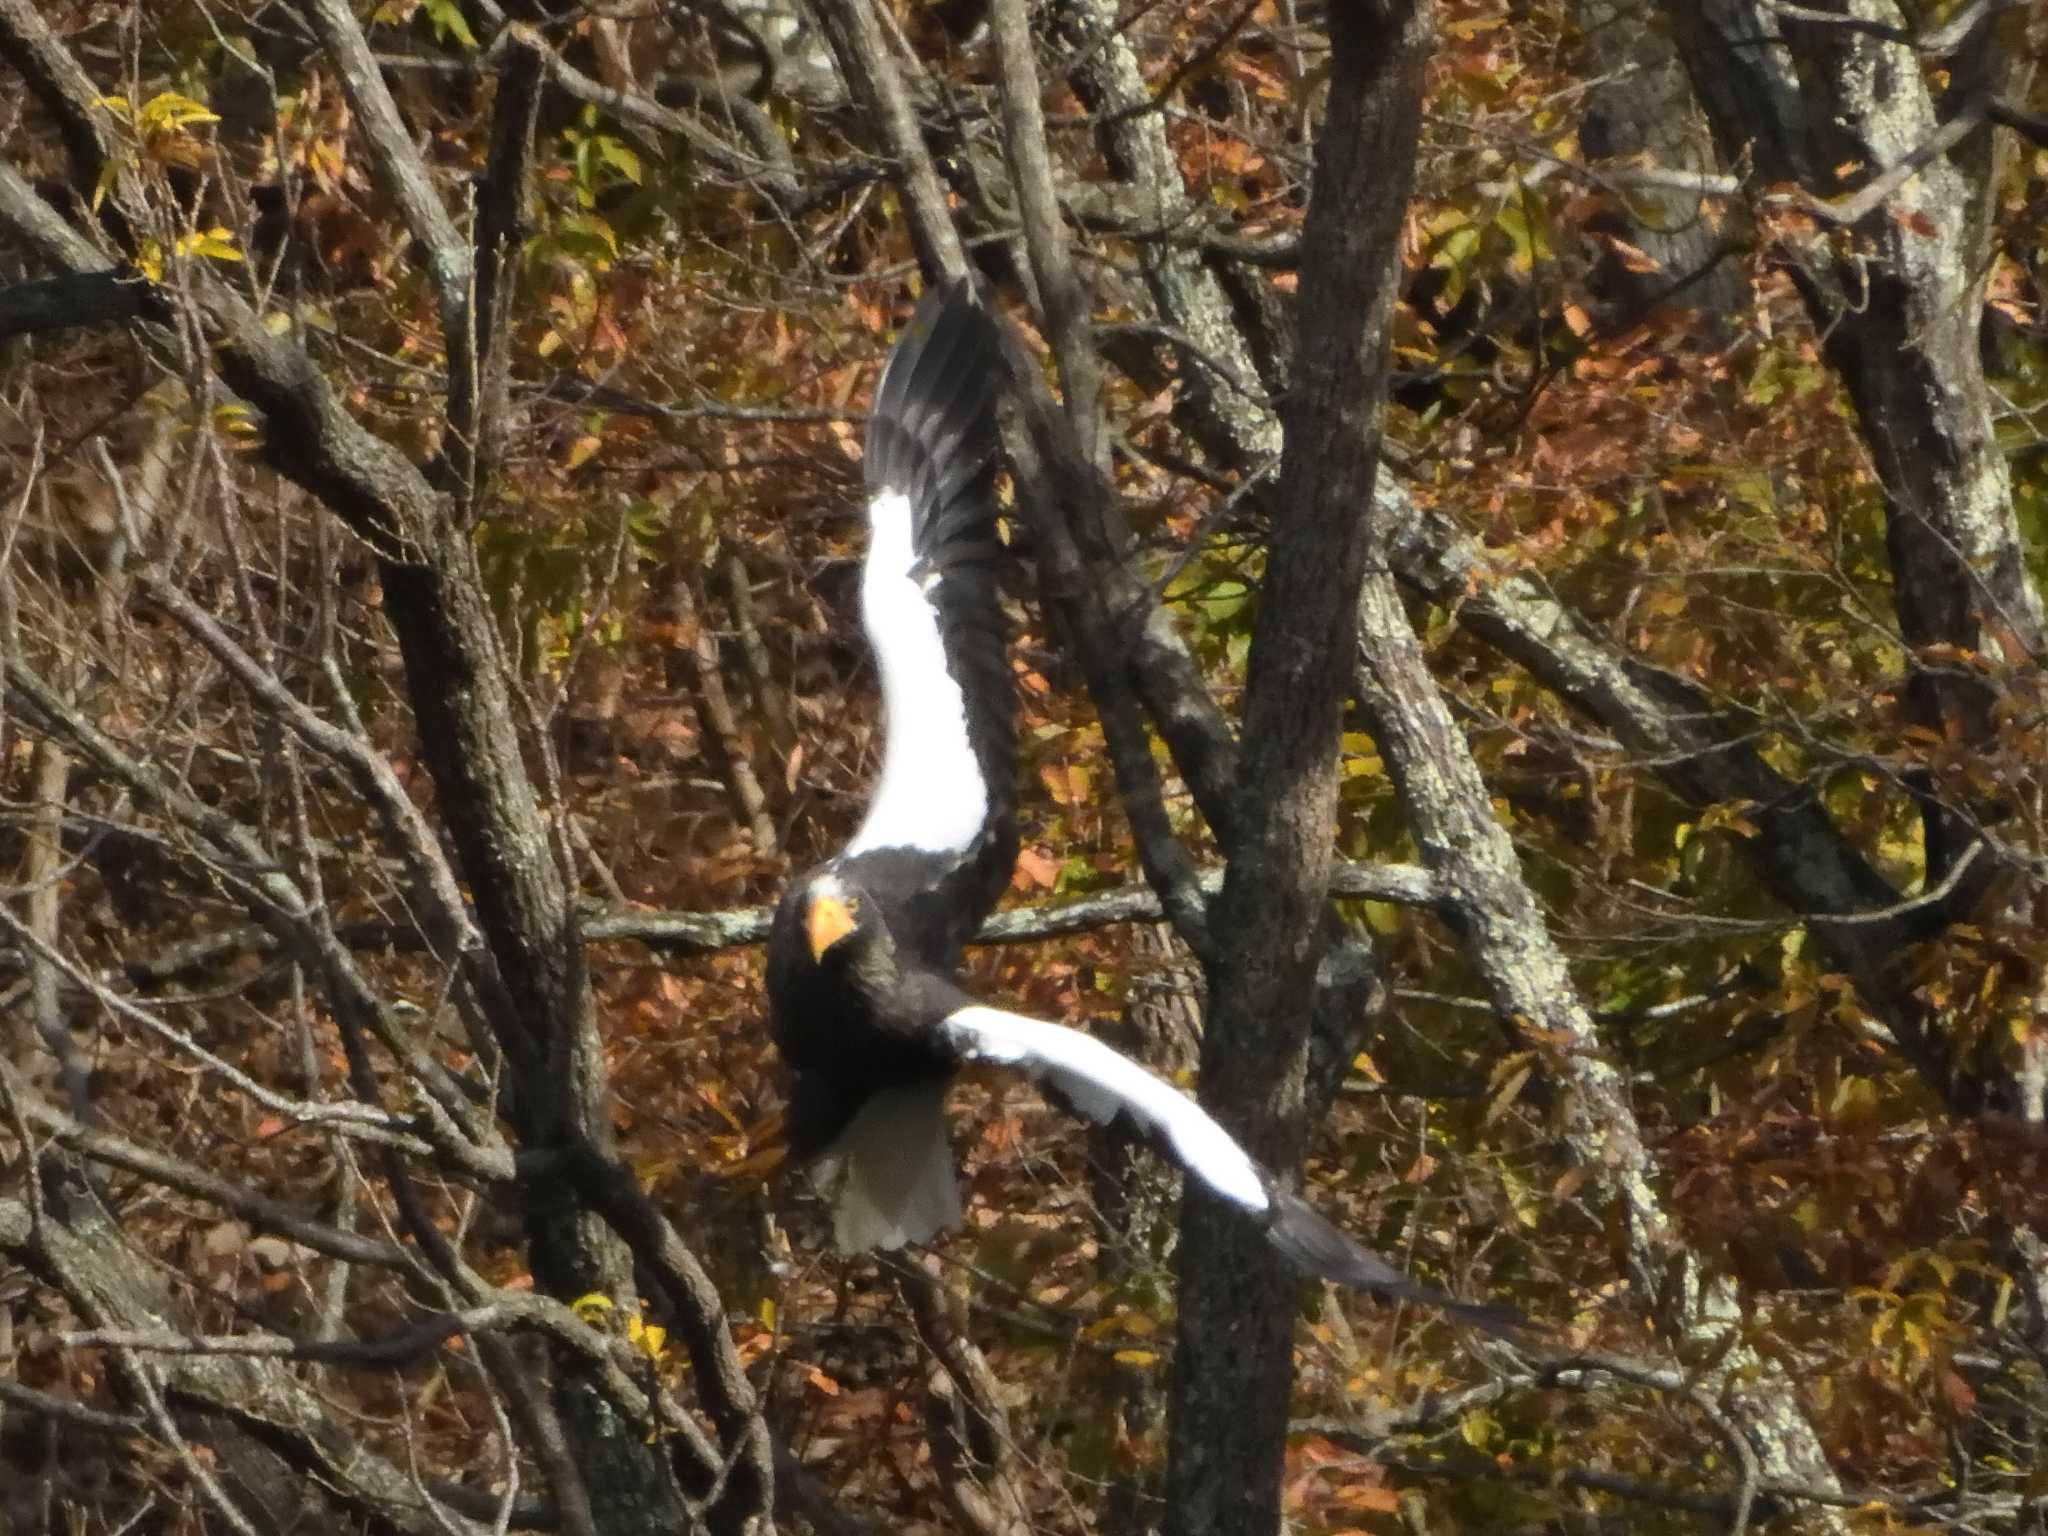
[843,931]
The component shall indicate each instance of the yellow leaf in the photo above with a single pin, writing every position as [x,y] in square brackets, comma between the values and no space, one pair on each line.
[649,1338]
[620,159]
[169,112]
[583,450]
[110,172]
[217,243]
[1139,1357]
[592,1308]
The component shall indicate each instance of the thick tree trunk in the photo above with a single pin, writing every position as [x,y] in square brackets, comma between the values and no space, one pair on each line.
[1640,104]
[1226,405]
[1508,944]
[1234,1362]
[1895,301]
[1221,401]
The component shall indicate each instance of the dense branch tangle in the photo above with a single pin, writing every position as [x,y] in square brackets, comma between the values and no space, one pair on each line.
[426,643]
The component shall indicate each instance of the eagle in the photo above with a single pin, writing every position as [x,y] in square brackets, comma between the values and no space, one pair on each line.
[864,949]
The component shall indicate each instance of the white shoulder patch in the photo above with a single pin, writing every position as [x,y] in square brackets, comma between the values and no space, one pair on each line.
[1099,1082]
[931,795]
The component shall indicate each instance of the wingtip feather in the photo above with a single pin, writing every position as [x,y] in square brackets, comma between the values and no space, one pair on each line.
[1312,1243]
[931,433]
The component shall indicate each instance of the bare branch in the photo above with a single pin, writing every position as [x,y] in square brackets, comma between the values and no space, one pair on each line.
[74,301]
[502,225]
[1935,42]
[1704,757]
[725,743]
[402,172]
[872,77]
[439,895]
[244,1408]
[55,79]
[274,901]
[2034,125]
[729,1396]
[259,1210]
[1879,190]
[64,1410]
[972,1439]
[39,226]
[353,1119]
[1059,290]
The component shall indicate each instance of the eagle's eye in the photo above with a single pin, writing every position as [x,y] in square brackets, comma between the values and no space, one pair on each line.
[828,921]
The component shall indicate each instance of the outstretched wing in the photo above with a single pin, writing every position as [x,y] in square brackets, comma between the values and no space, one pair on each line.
[1094,1080]
[929,603]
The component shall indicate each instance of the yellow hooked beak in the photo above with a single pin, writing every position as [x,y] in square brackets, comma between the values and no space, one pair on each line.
[828,921]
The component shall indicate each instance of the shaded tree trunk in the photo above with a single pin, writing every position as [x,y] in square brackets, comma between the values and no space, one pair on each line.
[1231,1388]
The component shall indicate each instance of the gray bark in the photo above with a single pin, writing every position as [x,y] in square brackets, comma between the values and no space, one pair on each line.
[1640,105]
[1504,936]
[1895,303]
[1707,758]
[1217,367]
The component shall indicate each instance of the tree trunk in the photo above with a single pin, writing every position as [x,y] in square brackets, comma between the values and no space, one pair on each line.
[1895,301]
[1234,1361]
[1640,104]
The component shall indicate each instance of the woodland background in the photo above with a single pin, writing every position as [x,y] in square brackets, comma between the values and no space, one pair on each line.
[427,562]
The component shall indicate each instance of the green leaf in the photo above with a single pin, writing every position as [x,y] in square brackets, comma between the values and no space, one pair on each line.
[589,236]
[620,159]
[448,21]
[1479,1429]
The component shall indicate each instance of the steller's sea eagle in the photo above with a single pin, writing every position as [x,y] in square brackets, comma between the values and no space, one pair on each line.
[864,948]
